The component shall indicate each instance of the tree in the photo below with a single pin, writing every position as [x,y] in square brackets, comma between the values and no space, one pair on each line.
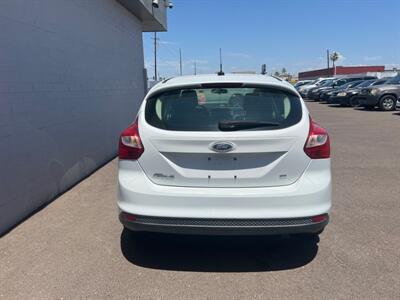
[284,71]
[276,73]
[334,57]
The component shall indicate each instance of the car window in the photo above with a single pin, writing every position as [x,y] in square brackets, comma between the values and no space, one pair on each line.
[327,82]
[205,109]
[379,82]
[341,82]
[394,80]
[351,84]
[366,83]
[356,83]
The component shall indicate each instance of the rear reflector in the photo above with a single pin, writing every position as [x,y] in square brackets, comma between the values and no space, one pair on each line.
[128,217]
[130,144]
[317,145]
[319,218]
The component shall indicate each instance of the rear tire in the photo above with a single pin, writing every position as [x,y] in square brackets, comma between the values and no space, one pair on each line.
[387,103]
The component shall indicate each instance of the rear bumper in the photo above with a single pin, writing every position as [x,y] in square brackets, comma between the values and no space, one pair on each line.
[309,196]
[224,226]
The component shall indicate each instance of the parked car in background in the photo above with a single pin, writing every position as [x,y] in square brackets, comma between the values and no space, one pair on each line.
[383,96]
[325,96]
[303,90]
[349,97]
[302,82]
[213,167]
[315,93]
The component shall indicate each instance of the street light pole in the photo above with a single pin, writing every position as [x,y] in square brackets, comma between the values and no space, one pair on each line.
[155,56]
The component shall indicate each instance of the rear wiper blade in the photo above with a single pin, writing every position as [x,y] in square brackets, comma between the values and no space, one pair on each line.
[241,125]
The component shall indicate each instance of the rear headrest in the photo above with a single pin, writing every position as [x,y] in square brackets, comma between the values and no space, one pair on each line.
[189,94]
[188,100]
[256,103]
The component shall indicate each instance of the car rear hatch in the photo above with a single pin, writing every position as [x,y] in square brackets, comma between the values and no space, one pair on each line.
[232,137]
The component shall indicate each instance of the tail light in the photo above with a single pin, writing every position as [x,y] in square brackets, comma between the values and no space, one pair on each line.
[130,144]
[317,145]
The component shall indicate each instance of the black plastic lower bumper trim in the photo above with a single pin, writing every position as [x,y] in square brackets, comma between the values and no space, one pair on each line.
[224,226]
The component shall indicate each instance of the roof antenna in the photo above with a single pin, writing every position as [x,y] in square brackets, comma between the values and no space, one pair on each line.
[264,69]
[220,73]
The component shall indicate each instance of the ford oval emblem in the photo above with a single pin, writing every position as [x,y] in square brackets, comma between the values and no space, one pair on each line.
[222,146]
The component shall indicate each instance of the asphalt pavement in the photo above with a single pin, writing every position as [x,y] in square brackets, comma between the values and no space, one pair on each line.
[76,248]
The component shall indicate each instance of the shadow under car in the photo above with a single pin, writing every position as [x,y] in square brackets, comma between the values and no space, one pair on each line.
[218,253]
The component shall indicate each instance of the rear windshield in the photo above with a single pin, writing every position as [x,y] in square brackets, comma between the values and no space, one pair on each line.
[223,109]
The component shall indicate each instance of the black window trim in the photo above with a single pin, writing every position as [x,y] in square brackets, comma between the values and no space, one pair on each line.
[243,85]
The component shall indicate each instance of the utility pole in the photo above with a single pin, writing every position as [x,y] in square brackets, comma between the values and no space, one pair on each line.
[180,61]
[195,68]
[155,55]
[327,60]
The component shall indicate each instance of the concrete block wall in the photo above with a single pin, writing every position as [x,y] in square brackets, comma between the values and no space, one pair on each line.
[71,78]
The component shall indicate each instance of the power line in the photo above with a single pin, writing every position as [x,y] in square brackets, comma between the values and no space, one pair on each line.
[175,54]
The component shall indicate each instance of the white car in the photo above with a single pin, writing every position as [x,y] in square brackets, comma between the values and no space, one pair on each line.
[302,83]
[225,155]
[303,90]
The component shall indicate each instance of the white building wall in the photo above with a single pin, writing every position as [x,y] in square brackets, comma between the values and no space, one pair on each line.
[71,78]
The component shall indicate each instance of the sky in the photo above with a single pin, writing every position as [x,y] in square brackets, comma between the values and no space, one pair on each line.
[288,34]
